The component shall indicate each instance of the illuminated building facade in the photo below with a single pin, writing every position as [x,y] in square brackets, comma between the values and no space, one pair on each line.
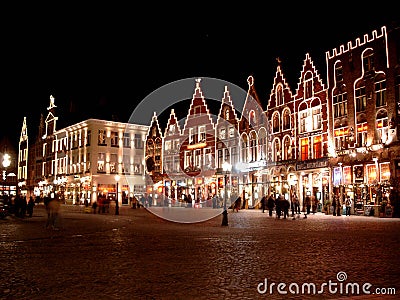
[79,162]
[364,83]
[339,138]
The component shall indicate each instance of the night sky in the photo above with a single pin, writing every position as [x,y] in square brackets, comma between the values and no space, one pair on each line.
[95,60]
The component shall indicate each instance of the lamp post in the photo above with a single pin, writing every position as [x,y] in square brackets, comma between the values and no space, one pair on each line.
[226,167]
[117,178]
[6,163]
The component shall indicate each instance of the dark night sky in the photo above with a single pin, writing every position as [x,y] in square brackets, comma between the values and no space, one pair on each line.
[95,61]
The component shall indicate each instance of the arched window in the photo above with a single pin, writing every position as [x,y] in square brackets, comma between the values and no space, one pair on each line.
[262,143]
[308,85]
[253,146]
[252,117]
[227,114]
[279,95]
[245,148]
[286,119]
[275,122]
[287,148]
[382,126]
[368,61]
[277,152]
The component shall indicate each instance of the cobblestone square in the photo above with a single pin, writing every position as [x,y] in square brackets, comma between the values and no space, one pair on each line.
[137,255]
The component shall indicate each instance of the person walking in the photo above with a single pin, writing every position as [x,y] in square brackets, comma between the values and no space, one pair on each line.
[270,204]
[308,204]
[54,207]
[296,203]
[278,206]
[348,205]
[338,207]
[334,203]
[285,206]
[263,203]
[30,205]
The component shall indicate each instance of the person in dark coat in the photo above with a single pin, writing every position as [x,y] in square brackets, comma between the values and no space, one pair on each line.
[285,204]
[334,203]
[278,206]
[31,204]
[308,204]
[263,203]
[270,204]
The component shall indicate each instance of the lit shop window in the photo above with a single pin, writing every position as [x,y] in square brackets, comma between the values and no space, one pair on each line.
[371,174]
[304,148]
[385,172]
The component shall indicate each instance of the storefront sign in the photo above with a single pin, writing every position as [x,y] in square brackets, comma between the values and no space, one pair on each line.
[323,163]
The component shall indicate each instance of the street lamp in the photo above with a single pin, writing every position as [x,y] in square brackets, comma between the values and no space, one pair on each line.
[117,178]
[6,163]
[226,167]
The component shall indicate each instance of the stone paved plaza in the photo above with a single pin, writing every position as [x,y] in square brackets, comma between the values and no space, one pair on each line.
[137,255]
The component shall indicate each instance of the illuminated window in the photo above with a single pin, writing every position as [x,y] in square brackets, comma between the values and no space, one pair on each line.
[385,171]
[380,93]
[278,152]
[340,135]
[101,162]
[202,133]
[222,133]
[198,158]
[316,118]
[337,176]
[347,175]
[304,148]
[382,126]
[361,99]
[126,163]
[340,105]
[188,159]
[231,132]
[127,140]
[368,61]
[167,145]
[317,147]
[208,161]
[245,149]
[371,174]
[138,141]
[287,149]
[339,72]
[114,139]
[220,158]
[303,121]
[102,137]
[88,137]
[252,118]
[253,146]
[286,119]
[227,114]
[275,123]
[113,163]
[308,86]
[227,156]
[279,96]
[362,130]
[262,143]
[234,156]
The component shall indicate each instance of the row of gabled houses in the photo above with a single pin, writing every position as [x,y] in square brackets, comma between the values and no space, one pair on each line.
[320,139]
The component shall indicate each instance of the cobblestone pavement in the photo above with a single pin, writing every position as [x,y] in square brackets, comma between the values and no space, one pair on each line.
[136,255]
